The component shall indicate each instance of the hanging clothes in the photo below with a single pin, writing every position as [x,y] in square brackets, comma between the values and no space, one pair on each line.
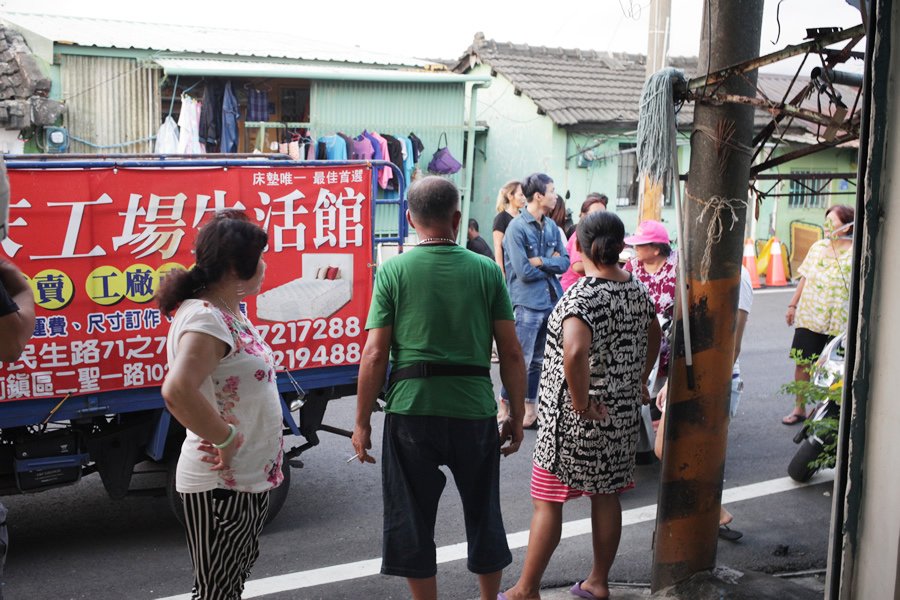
[395,155]
[231,112]
[167,137]
[385,175]
[348,143]
[257,105]
[417,145]
[335,147]
[362,148]
[211,115]
[409,164]
[189,127]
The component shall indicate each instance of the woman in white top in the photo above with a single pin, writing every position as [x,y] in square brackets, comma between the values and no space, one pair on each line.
[221,387]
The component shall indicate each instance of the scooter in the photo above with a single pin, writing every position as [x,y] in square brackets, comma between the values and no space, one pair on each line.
[812,439]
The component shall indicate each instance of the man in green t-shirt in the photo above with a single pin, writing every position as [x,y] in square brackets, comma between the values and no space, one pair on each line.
[436,310]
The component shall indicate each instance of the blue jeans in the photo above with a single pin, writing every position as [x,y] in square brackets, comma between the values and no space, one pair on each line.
[531,329]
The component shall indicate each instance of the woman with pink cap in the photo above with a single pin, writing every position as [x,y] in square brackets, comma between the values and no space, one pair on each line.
[655,266]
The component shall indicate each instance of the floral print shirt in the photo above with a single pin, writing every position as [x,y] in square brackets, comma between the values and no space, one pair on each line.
[824,303]
[242,389]
[661,284]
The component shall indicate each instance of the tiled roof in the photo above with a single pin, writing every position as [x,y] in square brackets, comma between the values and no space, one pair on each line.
[589,88]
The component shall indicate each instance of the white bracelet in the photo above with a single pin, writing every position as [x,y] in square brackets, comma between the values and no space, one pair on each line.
[232,433]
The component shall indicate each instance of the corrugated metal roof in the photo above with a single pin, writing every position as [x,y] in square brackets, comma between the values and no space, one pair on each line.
[244,68]
[108,33]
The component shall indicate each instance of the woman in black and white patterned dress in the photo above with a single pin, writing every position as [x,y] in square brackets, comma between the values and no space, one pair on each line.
[602,342]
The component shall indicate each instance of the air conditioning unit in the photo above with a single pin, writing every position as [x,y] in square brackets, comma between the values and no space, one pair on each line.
[56,140]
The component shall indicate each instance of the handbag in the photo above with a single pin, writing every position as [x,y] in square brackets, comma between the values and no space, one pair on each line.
[443,163]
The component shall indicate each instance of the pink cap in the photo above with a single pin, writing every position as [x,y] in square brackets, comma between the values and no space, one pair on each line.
[649,232]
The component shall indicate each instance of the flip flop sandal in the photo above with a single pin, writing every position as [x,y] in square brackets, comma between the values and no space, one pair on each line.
[577,590]
[728,534]
[793,420]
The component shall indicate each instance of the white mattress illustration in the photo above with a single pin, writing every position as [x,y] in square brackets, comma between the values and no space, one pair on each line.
[304,299]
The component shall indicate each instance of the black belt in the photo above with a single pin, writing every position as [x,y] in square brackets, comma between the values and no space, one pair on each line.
[431,369]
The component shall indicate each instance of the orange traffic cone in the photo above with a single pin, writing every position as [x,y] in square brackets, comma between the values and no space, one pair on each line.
[775,273]
[750,262]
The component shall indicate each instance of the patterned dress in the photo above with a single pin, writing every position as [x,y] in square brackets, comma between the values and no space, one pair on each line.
[824,303]
[596,456]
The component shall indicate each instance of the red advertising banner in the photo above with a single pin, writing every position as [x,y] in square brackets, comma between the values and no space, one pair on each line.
[94,245]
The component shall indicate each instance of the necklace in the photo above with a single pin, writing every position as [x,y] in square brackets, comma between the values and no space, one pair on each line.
[436,240]
[228,308]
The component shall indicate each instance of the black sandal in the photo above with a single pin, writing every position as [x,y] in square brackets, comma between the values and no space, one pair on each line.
[728,534]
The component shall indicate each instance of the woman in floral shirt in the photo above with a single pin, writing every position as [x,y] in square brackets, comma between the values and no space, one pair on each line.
[655,266]
[221,387]
[819,306]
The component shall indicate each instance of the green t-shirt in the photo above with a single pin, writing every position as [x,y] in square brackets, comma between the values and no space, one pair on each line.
[442,302]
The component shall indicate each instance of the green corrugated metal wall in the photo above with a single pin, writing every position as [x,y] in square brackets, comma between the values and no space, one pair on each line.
[396,109]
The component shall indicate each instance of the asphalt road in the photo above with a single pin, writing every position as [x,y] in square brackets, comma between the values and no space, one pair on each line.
[76,543]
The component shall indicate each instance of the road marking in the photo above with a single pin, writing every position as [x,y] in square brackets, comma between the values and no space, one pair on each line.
[519,539]
[778,290]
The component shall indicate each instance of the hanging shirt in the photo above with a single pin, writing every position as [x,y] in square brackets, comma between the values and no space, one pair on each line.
[189,127]
[257,105]
[167,137]
[417,145]
[362,148]
[230,114]
[385,176]
[335,148]
[409,162]
[211,115]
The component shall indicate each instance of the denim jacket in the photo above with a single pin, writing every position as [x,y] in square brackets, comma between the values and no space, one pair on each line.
[525,238]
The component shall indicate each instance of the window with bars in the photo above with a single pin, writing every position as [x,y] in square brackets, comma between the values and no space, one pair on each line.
[627,187]
[807,192]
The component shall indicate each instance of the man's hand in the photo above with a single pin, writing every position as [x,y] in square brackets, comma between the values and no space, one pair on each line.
[362,443]
[661,398]
[645,394]
[536,261]
[511,435]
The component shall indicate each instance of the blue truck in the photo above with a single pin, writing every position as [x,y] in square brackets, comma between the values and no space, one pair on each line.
[95,235]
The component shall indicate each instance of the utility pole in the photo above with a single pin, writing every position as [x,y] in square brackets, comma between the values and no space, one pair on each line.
[696,431]
[650,202]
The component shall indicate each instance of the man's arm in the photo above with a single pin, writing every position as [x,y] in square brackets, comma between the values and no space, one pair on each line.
[558,262]
[16,327]
[739,325]
[512,374]
[515,241]
[654,338]
[372,371]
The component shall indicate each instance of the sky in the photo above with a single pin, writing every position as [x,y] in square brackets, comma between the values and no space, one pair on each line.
[434,30]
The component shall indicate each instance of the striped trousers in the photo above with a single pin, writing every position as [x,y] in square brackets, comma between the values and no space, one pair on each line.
[223,530]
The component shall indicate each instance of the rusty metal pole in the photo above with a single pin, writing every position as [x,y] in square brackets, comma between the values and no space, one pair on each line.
[696,431]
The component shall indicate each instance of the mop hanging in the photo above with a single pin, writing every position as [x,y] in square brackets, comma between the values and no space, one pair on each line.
[657,152]
[656,125]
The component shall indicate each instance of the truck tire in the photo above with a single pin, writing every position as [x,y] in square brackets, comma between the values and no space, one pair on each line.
[800,469]
[277,497]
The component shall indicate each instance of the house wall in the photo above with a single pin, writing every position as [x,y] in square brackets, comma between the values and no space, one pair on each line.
[519,141]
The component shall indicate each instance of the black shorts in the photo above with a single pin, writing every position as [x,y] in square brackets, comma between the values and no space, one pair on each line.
[809,344]
[414,449]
